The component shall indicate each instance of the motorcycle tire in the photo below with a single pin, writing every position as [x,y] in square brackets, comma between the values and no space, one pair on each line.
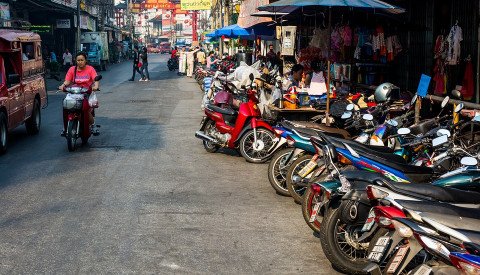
[210,147]
[309,201]
[72,134]
[297,191]
[265,140]
[347,256]
[277,171]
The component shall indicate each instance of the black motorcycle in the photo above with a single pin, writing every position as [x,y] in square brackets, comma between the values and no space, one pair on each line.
[172,64]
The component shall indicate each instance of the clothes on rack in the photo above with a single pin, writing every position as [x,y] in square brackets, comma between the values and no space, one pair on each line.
[467,84]
[454,38]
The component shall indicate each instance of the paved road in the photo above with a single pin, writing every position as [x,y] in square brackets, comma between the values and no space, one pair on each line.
[144,197]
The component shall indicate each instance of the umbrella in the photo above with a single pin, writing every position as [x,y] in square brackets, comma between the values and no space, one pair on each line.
[291,5]
[232,30]
[210,34]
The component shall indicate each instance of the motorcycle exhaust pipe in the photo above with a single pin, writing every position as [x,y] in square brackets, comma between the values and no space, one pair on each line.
[201,135]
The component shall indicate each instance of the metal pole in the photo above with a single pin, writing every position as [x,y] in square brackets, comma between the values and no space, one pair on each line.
[328,63]
[78,26]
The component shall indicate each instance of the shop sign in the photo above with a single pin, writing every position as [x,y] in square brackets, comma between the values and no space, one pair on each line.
[248,7]
[195,5]
[68,3]
[5,14]
[63,23]
[38,28]
[87,23]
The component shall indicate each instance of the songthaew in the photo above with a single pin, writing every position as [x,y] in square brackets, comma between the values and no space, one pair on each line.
[22,86]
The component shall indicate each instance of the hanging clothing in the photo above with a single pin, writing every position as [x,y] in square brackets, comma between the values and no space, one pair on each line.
[347,36]
[318,84]
[439,77]
[467,84]
[454,38]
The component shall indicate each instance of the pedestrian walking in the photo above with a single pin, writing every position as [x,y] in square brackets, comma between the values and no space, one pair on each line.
[136,60]
[190,60]
[53,57]
[67,60]
[144,70]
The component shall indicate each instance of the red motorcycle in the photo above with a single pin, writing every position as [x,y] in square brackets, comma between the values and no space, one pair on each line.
[243,129]
[76,106]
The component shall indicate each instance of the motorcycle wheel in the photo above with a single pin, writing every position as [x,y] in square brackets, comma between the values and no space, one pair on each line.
[294,189]
[265,142]
[72,134]
[210,147]
[337,239]
[277,171]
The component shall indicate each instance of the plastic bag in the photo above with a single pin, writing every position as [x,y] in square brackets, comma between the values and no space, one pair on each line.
[92,100]
[139,64]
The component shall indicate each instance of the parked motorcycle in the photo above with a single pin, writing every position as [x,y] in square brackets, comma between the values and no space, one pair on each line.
[244,130]
[172,64]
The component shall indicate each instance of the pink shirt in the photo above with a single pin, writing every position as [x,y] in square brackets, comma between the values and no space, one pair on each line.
[84,78]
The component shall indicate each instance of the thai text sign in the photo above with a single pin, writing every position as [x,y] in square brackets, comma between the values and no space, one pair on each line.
[193,5]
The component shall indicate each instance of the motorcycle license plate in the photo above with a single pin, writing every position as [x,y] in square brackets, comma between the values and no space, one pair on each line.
[423,270]
[370,221]
[309,167]
[316,207]
[379,248]
[397,260]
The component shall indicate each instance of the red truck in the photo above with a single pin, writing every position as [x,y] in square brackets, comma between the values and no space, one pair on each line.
[22,88]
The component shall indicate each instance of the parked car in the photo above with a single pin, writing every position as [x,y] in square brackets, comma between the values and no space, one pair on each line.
[22,89]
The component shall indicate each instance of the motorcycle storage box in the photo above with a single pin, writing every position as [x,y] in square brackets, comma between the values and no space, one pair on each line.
[73,102]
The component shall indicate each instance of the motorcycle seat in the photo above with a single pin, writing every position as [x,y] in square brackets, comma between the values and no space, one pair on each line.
[366,176]
[331,131]
[428,208]
[217,109]
[438,193]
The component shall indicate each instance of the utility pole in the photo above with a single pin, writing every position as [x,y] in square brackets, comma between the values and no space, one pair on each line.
[78,25]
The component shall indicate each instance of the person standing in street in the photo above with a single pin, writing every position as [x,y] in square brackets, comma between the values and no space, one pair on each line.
[201,57]
[53,57]
[144,70]
[136,59]
[190,60]
[67,60]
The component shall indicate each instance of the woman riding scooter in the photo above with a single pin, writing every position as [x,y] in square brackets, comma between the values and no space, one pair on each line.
[82,75]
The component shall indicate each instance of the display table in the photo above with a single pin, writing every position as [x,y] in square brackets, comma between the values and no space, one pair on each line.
[300,114]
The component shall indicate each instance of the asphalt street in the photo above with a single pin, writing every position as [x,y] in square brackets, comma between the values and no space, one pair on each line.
[144,197]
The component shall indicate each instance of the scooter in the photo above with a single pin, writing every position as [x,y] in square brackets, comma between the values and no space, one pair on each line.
[77,107]
[243,129]
[172,64]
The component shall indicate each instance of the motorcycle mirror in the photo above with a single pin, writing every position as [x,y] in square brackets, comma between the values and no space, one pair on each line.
[443,132]
[476,119]
[251,77]
[403,131]
[459,107]
[439,140]
[392,122]
[368,117]
[350,107]
[445,101]
[347,115]
[469,161]
[414,99]
[98,78]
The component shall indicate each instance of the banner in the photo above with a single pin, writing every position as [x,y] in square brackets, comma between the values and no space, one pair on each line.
[195,5]
[5,14]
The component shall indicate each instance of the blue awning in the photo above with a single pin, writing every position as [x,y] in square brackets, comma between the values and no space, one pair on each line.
[211,34]
[232,30]
[290,5]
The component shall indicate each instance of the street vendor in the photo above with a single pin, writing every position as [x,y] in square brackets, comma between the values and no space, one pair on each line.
[296,77]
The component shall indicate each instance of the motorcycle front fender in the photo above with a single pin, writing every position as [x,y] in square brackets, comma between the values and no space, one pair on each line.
[257,123]
[293,155]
